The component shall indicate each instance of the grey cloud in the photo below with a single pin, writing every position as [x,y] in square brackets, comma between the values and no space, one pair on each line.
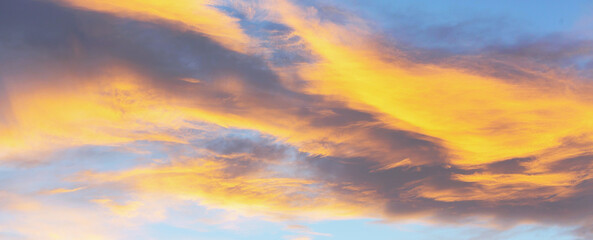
[509,166]
[396,188]
[85,42]
[574,164]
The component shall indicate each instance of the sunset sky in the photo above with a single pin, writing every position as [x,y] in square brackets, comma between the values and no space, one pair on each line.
[296,120]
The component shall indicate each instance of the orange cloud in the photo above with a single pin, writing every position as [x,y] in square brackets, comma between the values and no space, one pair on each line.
[110,110]
[199,16]
[127,209]
[206,181]
[481,119]
[63,190]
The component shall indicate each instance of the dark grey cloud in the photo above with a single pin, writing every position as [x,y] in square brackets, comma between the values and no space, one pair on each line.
[509,166]
[574,164]
[397,186]
[87,42]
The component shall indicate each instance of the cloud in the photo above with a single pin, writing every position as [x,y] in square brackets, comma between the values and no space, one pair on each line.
[63,190]
[197,16]
[250,193]
[348,128]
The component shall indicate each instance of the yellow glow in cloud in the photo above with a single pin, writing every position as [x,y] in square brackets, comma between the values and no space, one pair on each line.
[63,190]
[506,187]
[206,182]
[127,209]
[118,107]
[195,15]
[481,119]
[111,110]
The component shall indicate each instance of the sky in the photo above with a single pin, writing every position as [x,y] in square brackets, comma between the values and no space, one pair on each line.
[296,120]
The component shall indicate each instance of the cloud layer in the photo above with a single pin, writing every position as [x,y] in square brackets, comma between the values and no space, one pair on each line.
[286,112]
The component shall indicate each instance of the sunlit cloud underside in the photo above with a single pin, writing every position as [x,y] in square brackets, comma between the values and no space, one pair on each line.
[297,120]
